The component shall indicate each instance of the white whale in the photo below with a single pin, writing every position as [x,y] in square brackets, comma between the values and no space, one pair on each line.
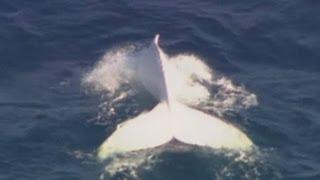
[169,119]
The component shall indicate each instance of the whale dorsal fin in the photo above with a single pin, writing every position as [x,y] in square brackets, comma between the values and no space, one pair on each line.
[152,71]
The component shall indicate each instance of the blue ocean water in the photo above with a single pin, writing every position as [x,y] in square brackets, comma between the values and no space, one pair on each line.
[48,120]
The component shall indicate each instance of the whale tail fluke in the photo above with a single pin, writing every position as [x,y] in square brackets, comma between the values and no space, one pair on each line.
[198,128]
[182,123]
[147,130]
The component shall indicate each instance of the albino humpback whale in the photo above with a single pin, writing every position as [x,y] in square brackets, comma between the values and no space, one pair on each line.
[169,119]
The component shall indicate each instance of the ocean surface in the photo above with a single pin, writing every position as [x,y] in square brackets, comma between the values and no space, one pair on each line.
[52,122]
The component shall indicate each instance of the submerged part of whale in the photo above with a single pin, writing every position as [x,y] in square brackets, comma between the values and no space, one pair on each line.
[169,119]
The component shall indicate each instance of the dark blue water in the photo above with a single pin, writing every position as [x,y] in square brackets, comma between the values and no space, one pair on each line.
[47,120]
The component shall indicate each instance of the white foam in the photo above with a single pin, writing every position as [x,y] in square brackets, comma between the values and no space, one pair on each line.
[112,72]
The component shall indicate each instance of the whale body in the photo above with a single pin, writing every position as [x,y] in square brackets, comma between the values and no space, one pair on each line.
[169,119]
